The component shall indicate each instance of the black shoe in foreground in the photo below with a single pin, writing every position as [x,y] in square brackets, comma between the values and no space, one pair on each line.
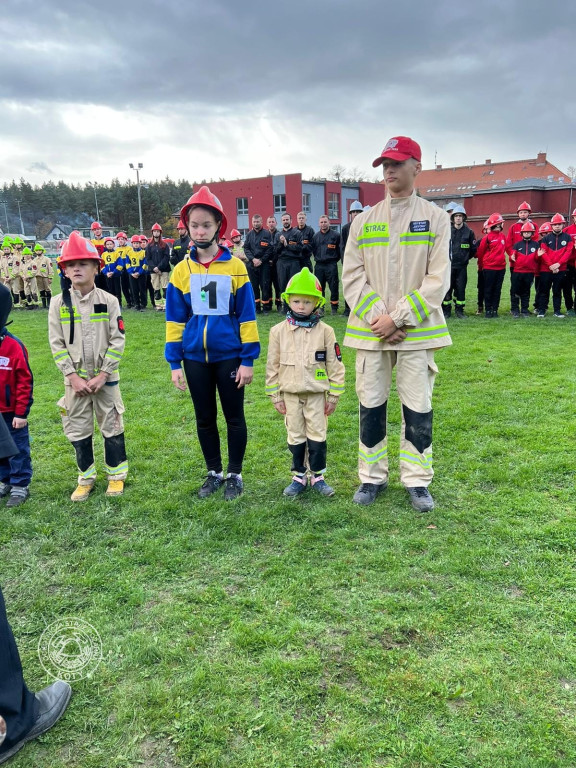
[421,499]
[367,493]
[52,703]
[210,485]
[234,487]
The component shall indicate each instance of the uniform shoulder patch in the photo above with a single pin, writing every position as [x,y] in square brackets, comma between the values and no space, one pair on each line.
[121,327]
[320,356]
[337,351]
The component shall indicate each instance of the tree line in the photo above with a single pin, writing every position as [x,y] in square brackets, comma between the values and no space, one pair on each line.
[41,207]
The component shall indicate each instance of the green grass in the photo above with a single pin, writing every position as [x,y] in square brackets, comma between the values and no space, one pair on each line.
[312,632]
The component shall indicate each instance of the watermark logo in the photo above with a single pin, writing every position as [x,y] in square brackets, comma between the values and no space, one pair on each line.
[70,649]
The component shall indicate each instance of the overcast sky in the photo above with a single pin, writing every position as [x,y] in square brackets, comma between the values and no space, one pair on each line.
[231,89]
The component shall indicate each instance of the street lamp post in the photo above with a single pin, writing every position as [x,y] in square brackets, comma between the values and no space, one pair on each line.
[94,185]
[20,215]
[137,169]
[5,203]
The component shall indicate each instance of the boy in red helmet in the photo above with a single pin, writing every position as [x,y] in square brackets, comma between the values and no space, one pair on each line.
[556,249]
[524,258]
[86,334]
[492,257]
[569,286]
[136,270]
[123,250]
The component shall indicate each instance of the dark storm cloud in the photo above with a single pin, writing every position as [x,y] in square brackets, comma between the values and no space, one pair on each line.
[471,79]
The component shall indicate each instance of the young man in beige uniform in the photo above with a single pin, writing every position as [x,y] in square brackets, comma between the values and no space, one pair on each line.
[396,273]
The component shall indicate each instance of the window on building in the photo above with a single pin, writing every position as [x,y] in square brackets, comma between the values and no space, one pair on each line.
[242,206]
[306,202]
[333,205]
[279,203]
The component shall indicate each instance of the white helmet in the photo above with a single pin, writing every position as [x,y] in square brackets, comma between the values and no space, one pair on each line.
[458,209]
[450,206]
[366,208]
[356,206]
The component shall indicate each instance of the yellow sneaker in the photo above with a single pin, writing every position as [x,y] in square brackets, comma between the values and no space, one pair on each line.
[82,492]
[115,488]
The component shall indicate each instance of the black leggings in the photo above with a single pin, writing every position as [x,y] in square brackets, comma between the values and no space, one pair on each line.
[203,381]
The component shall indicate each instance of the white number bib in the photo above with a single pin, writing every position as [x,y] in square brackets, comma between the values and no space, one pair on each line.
[210,294]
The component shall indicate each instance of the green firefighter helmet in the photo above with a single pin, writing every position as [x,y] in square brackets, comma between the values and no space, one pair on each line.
[39,248]
[27,251]
[7,242]
[304,284]
[17,240]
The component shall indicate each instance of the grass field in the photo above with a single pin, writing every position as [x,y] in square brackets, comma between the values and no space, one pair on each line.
[274,633]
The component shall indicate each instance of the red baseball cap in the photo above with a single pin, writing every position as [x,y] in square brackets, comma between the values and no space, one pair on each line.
[399,148]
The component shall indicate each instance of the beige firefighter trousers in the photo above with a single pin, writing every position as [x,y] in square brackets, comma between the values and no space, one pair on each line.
[415,374]
[305,417]
[159,280]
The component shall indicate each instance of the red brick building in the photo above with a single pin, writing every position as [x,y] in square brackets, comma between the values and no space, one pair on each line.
[274,195]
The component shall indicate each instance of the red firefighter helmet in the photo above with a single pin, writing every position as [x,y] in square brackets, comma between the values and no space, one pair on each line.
[95,225]
[485,225]
[156,226]
[227,244]
[135,239]
[206,198]
[545,228]
[557,219]
[574,212]
[235,233]
[528,227]
[109,240]
[143,239]
[121,234]
[494,220]
[76,248]
[524,207]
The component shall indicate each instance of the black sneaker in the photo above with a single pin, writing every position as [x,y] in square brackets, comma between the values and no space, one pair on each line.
[234,487]
[296,487]
[367,493]
[17,496]
[210,485]
[421,499]
[5,489]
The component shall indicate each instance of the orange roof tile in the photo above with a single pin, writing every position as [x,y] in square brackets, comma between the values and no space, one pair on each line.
[465,179]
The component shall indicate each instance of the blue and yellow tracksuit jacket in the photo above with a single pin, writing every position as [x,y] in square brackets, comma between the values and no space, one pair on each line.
[136,262]
[113,262]
[210,313]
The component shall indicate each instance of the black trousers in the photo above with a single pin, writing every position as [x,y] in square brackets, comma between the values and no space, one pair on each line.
[480,289]
[261,285]
[520,291]
[549,280]
[569,286]
[327,273]
[17,704]
[138,290]
[457,290]
[204,379]
[114,286]
[286,269]
[125,280]
[493,279]
[275,284]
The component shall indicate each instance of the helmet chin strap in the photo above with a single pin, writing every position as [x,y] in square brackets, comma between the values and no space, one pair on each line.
[204,244]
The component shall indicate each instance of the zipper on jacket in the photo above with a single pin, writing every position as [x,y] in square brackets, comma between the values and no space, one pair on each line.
[204,338]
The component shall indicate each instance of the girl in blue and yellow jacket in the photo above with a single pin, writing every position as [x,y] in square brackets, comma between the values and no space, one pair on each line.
[212,338]
[112,270]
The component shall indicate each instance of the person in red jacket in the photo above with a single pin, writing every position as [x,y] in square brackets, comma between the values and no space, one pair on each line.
[524,258]
[569,287]
[492,261]
[480,284]
[515,232]
[555,250]
[16,384]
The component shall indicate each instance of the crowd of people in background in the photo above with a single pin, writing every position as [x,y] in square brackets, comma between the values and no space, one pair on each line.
[543,256]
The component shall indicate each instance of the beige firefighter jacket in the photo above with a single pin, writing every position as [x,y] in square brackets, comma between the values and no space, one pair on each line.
[304,360]
[99,340]
[397,262]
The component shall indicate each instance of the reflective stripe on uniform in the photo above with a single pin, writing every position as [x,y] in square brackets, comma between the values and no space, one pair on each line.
[366,303]
[417,238]
[418,305]
[361,333]
[435,332]
[414,458]
[373,458]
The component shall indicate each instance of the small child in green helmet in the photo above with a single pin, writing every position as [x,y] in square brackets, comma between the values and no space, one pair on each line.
[304,380]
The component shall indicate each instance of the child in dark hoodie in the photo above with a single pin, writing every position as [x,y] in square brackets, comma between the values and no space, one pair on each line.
[16,385]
